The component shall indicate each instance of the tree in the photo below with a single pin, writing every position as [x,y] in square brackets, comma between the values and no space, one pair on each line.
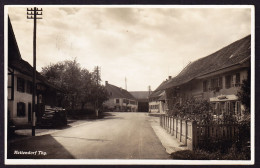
[99,92]
[193,109]
[79,85]
[244,94]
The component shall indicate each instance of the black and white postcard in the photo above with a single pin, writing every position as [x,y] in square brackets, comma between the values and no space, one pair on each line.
[129,84]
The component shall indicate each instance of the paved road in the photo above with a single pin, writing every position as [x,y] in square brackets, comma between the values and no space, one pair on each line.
[117,136]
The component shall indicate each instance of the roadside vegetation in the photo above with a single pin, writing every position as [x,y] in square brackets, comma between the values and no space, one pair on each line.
[202,112]
[81,91]
[231,153]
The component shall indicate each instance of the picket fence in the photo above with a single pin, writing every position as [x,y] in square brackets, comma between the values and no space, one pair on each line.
[194,135]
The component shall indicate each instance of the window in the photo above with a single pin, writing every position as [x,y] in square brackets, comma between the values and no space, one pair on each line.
[216,110]
[132,102]
[237,79]
[205,86]
[228,108]
[20,109]
[127,101]
[20,84]
[232,107]
[228,82]
[117,100]
[238,108]
[222,108]
[29,88]
[220,83]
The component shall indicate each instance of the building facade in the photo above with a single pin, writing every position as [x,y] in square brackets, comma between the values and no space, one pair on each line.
[20,87]
[216,78]
[157,102]
[142,99]
[120,99]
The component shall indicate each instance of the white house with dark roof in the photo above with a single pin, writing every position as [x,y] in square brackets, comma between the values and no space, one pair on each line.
[120,99]
[216,78]
[20,87]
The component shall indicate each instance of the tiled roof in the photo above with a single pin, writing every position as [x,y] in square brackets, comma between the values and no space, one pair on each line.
[118,92]
[156,94]
[233,54]
[140,95]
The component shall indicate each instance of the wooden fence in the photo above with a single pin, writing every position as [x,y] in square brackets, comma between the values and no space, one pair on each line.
[193,135]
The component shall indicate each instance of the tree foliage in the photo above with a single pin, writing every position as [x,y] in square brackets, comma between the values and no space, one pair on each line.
[193,109]
[78,84]
[245,92]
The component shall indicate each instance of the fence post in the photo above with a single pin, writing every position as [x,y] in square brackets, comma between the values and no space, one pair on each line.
[160,120]
[194,135]
[176,135]
[186,132]
[172,126]
[164,121]
[180,129]
[168,123]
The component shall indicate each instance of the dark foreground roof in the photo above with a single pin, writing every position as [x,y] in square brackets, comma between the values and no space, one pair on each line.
[233,54]
[16,62]
[118,92]
[25,68]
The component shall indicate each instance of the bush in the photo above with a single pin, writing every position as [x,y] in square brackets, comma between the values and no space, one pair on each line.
[231,153]
[193,109]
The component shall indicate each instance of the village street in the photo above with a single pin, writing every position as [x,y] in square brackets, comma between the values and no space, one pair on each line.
[117,136]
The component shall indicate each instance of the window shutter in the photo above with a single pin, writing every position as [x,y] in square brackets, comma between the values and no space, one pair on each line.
[236,109]
[20,109]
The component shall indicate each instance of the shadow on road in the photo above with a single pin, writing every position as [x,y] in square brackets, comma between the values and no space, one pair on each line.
[57,127]
[87,139]
[102,116]
[41,147]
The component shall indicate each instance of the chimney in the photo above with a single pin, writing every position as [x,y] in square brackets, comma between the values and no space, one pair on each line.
[170,77]
[106,83]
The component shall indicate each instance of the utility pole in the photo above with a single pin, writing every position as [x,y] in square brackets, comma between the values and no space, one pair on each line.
[97,73]
[33,13]
[125,83]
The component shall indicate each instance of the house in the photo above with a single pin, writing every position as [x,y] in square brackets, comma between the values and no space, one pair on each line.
[20,87]
[120,99]
[216,78]
[157,101]
[142,98]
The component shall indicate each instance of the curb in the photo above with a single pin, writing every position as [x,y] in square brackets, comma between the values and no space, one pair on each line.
[170,144]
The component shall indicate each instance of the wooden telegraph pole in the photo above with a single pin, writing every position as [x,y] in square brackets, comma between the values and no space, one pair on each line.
[32,13]
[97,71]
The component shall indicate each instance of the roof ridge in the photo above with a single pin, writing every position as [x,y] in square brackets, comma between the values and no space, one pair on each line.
[235,53]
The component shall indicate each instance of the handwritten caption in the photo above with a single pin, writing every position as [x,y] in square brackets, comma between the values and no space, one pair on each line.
[17,152]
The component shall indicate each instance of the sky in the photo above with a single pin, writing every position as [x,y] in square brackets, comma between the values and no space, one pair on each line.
[141,44]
